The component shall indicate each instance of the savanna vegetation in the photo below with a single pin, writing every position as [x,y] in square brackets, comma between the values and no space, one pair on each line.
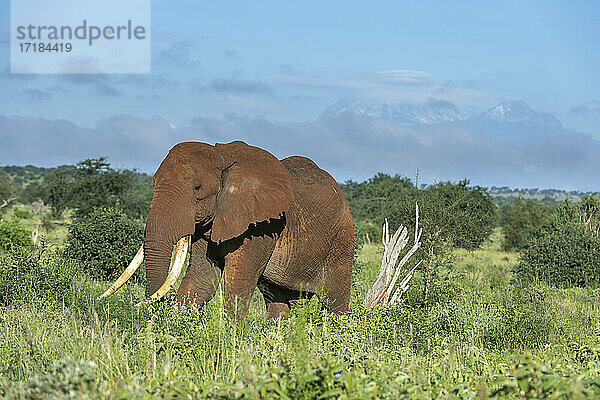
[505,305]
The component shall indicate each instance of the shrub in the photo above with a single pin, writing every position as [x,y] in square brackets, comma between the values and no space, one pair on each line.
[465,215]
[589,213]
[47,224]
[470,211]
[567,250]
[13,235]
[20,213]
[503,212]
[104,241]
[524,219]
[31,274]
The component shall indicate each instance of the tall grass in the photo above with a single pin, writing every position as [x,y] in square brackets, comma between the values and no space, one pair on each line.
[481,335]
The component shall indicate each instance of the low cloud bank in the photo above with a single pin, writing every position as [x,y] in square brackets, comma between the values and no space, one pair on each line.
[346,145]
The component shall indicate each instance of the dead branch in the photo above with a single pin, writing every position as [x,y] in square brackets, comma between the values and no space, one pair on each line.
[6,202]
[382,292]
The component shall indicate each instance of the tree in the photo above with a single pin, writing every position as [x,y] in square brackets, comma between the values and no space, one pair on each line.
[57,192]
[32,192]
[452,215]
[461,215]
[369,200]
[93,183]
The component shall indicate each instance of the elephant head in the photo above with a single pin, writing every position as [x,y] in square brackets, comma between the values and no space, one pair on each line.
[222,189]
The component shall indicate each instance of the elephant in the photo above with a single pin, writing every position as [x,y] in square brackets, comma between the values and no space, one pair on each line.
[280,225]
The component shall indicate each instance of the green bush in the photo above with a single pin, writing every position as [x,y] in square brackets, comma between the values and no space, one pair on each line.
[566,252]
[29,275]
[20,213]
[464,215]
[524,219]
[13,235]
[104,241]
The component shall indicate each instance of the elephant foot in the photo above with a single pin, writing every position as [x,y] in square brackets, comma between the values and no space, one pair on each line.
[189,298]
[279,299]
[278,310]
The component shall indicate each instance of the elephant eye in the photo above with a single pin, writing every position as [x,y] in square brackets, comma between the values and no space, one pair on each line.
[197,187]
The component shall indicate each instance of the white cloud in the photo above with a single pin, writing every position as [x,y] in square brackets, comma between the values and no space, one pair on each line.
[392,86]
[405,76]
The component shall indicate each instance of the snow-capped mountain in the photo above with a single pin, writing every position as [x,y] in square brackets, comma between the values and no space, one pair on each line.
[512,122]
[506,121]
[432,112]
[518,112]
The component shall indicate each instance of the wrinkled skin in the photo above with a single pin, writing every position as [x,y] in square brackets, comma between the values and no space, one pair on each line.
[283,226]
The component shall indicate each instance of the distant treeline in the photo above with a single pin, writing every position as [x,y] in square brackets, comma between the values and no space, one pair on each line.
[28,179]
[465,213]
[89,184]
[22,176]
[503,195]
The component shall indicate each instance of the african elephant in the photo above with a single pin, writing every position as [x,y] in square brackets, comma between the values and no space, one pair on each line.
[281,225]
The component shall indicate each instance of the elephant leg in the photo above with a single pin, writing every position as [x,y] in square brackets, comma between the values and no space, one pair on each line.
[202,277]
[243,267]
[337,276]
[279,299]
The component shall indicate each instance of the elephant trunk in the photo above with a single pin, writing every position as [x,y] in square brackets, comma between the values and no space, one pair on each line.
[171,217]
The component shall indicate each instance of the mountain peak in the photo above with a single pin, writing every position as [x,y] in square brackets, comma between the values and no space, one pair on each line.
[518,111]
[432,112]
[505,110]
[514,115]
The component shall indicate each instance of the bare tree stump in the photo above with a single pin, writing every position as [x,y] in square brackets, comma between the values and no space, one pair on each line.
[382,292]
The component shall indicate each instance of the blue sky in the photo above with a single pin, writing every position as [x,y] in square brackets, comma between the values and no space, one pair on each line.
[283,63]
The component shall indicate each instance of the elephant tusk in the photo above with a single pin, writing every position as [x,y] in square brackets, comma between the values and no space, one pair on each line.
[133,266]
[175,270]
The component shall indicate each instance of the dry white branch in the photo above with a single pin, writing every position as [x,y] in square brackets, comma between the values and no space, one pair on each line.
[6,202]
[381,291]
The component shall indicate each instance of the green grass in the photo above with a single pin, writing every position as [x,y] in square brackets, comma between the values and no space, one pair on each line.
[481,336]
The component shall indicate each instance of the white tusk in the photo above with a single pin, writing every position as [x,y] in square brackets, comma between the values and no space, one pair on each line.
[133,266]
[176,267]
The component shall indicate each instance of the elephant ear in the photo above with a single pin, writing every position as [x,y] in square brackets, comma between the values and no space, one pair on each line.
[255,186]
